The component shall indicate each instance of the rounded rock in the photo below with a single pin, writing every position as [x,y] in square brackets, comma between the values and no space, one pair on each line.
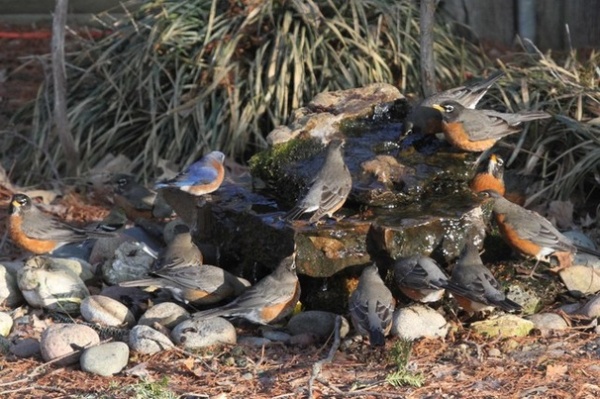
[199,333]
[591,309]
[130,262]
[10,295]
[167,314]
[106,311]
[316,322]
[418,321]
[105,359]
[80,267]
[254,341]
[59,340]
[548,321]
[147,340]
[46,285]
[6,323]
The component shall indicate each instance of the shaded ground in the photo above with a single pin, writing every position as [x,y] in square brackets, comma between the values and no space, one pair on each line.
[462,366]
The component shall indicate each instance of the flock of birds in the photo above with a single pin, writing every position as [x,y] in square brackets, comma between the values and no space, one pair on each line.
[371,305]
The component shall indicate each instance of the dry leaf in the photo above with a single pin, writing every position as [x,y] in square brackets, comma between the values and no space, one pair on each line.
[554,371]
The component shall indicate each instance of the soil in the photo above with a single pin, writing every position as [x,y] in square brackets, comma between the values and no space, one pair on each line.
[563,365]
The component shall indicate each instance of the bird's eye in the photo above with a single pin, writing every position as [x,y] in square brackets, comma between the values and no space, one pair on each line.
[449,108]
[500,161]
[122,182]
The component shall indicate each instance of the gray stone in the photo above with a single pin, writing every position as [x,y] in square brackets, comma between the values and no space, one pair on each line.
[316,322]
[106,311]
[581,280]
[275,335]
[80,267]
[26,347]
[105,359]
[199,333]
[548,321]
[105,247]
[591,309]
[130,262]
[167,314]
[418,321]
[6,323]
[60,340]
[580,258]
[504,326]
[46,285]
[147,340]
[10,295]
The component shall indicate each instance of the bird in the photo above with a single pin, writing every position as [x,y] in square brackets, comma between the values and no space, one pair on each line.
[114,221]
[328,190]
[492,178]
[181,251]
[427,120]
[40,233]
[371,306]
[420,278]
[530,234]
[477,130]
[194,284]
[202,177]
[268,301]
[135,199]
[473,285]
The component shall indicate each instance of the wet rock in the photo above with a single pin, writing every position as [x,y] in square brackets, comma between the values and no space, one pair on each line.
[6,323]
[196,333]
[26,347]
[548,321]
[105,359]
[10,295]
[329,110]
[106,311]
[63,339]
[146,340]
[591,309]
[167,314]
[46,285]
[581,280]
[418,321]
[503,326]
[316,322]
[130,262]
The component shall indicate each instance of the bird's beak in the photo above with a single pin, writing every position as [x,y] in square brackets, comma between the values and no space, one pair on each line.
[438,107]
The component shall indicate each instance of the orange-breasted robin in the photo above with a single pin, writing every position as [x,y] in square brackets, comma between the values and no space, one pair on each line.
[329,189]
[194,283]
[473,285]
[420,278]
[492,178]
[371,306]
[136,200]
[40,233]
[426,120]
[477,130]
[268,301]
[202,177]
[530,233]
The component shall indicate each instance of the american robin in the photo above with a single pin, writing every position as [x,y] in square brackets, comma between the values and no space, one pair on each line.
[40,233]
[473,285]
[477,130]
[136,200]
[420,278]
[371,306]
[530,233]
[492,178]
[268,301]
[202,177]
[426,120]
[329,189]
[194,283]
[181,251]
